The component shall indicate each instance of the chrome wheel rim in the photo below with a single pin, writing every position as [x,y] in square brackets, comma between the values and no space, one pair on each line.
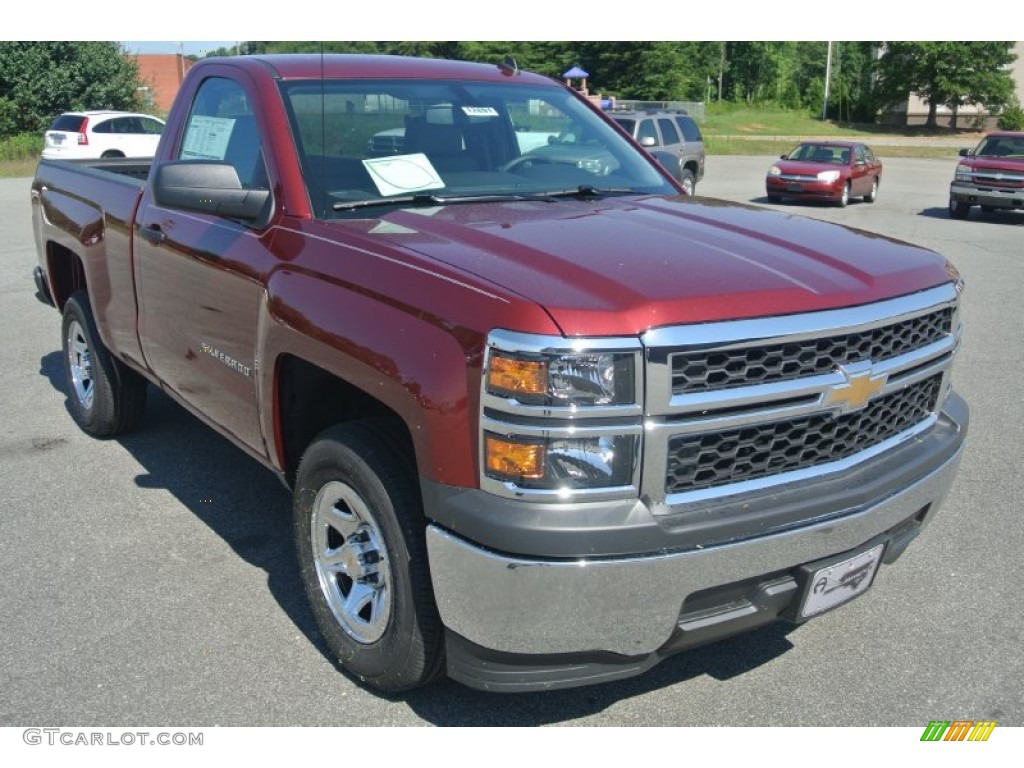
[688,186]
[80,365]
[351,562]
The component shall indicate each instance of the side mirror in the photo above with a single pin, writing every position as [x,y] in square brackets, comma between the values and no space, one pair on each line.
[783,157]
[965,152]
[207,186]
[648,141]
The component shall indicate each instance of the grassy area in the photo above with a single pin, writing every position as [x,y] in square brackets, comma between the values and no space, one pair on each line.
[729,145]
[12,169]
[738,129]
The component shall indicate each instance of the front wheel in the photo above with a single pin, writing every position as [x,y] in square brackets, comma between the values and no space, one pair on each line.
[105,397]
[359,535]
[958,210]
[844,198]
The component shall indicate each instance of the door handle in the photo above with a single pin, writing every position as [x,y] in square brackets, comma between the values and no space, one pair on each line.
[152,234]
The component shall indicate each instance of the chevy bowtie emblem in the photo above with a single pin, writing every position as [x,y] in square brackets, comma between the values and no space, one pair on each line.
[860,386]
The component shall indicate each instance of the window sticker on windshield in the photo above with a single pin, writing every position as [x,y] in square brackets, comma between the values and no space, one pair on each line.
[207,137]
[402,174]
[480,111]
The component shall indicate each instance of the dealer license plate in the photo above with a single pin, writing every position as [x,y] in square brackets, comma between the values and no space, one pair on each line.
[835,584]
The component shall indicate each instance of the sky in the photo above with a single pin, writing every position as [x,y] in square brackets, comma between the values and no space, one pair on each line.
[523,20]
[189,48]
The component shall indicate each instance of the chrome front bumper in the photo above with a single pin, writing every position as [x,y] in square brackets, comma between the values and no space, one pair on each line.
[631,605]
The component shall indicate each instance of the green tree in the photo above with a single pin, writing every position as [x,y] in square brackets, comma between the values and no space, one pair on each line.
[39,80]
[951,74]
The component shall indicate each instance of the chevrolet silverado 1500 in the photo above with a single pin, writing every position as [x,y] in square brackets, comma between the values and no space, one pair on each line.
[547,419]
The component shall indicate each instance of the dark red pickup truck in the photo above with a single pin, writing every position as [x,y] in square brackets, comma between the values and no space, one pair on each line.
[547,420]
[990,176]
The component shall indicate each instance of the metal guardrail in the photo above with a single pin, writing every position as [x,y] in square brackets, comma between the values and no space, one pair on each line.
[694,109]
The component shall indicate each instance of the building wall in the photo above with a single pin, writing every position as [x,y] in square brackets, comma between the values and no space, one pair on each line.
[161,75]
[916,110]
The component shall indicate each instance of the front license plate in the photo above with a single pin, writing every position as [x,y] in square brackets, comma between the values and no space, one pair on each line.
[795,188]
[835,584]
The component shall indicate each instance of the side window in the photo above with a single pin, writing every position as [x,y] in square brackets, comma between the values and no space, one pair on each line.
[151,126]
[860,155]
[221,126]
[668,131]
[647,131]
[107,126]
[689,128]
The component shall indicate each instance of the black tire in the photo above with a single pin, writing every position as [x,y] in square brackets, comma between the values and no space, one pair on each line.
[774,198]
[360,539]
[987,208]
[106,398]
[688,181]
[871,196]
[958,210]
[844,199]
[110,154]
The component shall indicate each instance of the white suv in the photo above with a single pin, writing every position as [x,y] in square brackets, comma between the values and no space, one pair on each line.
[102,134]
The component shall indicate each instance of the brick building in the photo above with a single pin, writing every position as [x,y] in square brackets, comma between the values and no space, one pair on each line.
[161,75]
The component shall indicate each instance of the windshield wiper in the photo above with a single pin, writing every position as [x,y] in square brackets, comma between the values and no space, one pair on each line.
[427,198]
[587,190]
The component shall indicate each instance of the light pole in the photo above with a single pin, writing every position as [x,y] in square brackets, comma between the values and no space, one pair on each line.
[828,78]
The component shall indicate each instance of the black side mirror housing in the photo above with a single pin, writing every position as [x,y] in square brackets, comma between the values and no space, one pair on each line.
[207,186]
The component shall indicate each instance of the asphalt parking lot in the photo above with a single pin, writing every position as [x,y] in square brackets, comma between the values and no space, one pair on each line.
[150,579]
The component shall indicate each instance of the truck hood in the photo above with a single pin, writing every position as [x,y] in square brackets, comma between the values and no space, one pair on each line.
[979,163]
[623,265]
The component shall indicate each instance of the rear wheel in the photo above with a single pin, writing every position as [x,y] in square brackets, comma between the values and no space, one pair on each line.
[688,182]
[112,153]
[359,535]
[958,210]
[105,397]
[871,196]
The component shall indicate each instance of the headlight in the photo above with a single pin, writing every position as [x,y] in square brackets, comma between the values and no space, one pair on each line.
[562,463]
[583,380]
[561,419]
[829,176]
[964,173]
[775,171]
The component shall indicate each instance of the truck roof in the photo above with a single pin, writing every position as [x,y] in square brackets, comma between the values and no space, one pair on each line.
[303,66]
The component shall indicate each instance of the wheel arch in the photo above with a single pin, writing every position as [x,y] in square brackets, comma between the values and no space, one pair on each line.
[65,271]
[309,399]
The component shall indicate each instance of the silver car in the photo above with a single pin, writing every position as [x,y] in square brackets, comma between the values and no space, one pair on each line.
[673,138]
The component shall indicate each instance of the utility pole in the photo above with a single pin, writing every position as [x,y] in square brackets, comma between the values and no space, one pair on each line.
[828,79]
[721,71]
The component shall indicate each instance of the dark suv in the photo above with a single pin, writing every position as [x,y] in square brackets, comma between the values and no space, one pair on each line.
[672,137]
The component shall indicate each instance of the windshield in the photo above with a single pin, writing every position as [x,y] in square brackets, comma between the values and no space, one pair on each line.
[821,153]
[363,143]
[1001,146]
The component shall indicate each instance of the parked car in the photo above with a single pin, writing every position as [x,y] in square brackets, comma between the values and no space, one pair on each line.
[991,176]
[102,134]
[673,138]
[833,171]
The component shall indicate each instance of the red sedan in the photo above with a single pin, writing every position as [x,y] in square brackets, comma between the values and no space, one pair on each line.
[825,170]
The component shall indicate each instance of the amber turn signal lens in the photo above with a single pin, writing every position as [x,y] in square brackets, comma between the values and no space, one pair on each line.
[514,461]
[515,377]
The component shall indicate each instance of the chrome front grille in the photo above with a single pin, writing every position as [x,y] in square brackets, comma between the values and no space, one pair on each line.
[706,460]
[745,405]
[719,369]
